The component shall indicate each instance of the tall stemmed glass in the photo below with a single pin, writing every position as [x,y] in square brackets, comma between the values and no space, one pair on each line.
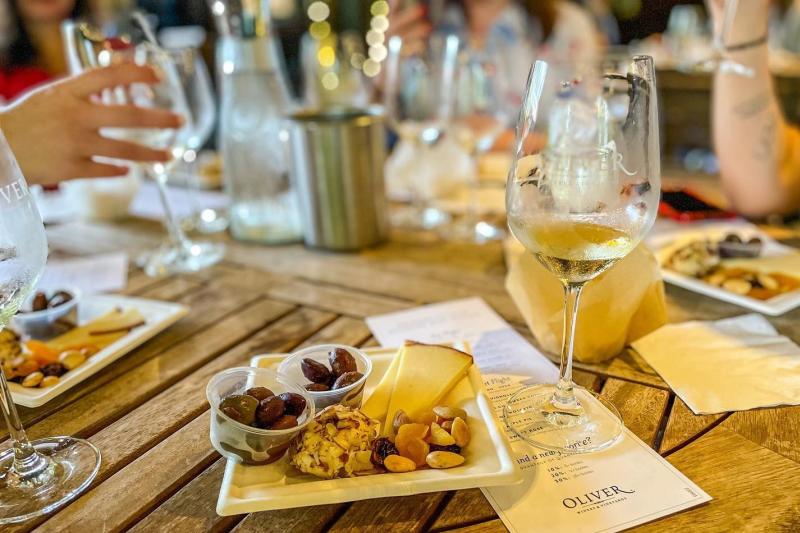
[582,193]
[35,476]
[196,83]
[92,48]
[722,45]
[418,97]
[482,112]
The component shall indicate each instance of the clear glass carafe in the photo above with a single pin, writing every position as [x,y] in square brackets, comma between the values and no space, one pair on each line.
[254,99]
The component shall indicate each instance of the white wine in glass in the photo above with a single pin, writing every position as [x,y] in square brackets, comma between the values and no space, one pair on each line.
[37,476]
[582,193]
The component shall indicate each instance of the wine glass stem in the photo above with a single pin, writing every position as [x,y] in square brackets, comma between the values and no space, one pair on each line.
[565,395]
[27,463]
[175,232]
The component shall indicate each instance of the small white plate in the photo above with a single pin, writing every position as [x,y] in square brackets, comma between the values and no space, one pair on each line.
[665,245]
[248,489]
[158,316]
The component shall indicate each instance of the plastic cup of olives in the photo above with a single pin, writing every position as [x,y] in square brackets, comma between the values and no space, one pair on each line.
[41,323]
[240,441]
[350,395]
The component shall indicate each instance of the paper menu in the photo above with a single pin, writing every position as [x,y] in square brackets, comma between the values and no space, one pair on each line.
[185,202]
[612,490]
[92,275]
[497,346]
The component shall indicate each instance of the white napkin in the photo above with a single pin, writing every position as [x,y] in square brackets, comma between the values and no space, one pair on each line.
[727,365]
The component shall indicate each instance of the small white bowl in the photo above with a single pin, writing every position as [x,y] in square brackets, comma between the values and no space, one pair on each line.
[38,323]
[350,396]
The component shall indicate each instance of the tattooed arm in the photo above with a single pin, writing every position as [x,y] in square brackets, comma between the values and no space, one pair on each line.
[759,153]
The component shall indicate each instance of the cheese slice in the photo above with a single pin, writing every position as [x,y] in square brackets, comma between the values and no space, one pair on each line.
[378,402]
[426,373]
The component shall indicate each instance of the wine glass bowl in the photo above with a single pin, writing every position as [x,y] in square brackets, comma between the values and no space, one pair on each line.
[130,40]
[582,193]
[418,96]
[37,476]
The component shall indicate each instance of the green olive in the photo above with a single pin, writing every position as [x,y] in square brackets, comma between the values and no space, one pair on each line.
[243,404]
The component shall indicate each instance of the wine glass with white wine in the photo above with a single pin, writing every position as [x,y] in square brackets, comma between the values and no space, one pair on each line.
[582,193]
[92,47]
[36,476]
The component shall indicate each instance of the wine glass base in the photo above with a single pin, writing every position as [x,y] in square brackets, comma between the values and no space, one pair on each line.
[595,425]
[192,257]
[210,221]
[479,232]
[73,464]
[415,218]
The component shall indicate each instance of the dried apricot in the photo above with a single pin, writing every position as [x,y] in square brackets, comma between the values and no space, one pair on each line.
[416,450]
[407,433]
[42,352]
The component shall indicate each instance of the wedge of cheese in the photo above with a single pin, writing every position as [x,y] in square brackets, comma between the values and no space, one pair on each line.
[378,402]
[426,373]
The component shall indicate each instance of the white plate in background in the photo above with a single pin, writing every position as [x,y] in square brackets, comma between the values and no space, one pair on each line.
[158,317]
[665,244]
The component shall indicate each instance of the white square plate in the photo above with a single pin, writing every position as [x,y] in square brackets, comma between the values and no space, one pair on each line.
[158,316]
[665,245]
[248,489]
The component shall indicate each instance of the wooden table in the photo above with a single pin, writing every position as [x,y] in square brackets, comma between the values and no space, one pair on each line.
[148,412]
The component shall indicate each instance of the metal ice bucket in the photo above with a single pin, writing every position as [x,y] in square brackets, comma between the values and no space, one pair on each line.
[337,158]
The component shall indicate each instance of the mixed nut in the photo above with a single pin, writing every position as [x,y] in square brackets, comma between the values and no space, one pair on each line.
[39,365]
[344,442]
[261,408]
[343,371]
[435,439]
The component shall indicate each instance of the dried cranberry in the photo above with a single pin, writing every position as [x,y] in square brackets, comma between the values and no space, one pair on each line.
[381,449]
[455,448]
[53,369]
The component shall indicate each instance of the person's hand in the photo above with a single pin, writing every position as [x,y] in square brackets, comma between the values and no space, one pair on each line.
[410,23]
[54,131]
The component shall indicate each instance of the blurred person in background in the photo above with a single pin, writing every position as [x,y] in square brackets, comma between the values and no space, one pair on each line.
[33,52]
[532,27]
[521,30]
[758,151]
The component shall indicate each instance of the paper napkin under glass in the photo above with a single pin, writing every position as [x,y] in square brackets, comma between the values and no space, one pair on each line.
[732,364]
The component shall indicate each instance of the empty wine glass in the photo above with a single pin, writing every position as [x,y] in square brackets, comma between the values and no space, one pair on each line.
[91,48]
[418,97]
[196,83]
[722,44]
[482,112]
[36,476]
[582,193]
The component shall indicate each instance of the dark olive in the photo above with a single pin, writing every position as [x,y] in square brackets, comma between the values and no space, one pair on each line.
[755,240]
[232,412]
[347,379]
[259,393]
[295,404]
[341,362]
[317,387]
[59,298]
[284,422]
[269,410]
[39,302]
[315,371]
[245,405]
[53,369]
